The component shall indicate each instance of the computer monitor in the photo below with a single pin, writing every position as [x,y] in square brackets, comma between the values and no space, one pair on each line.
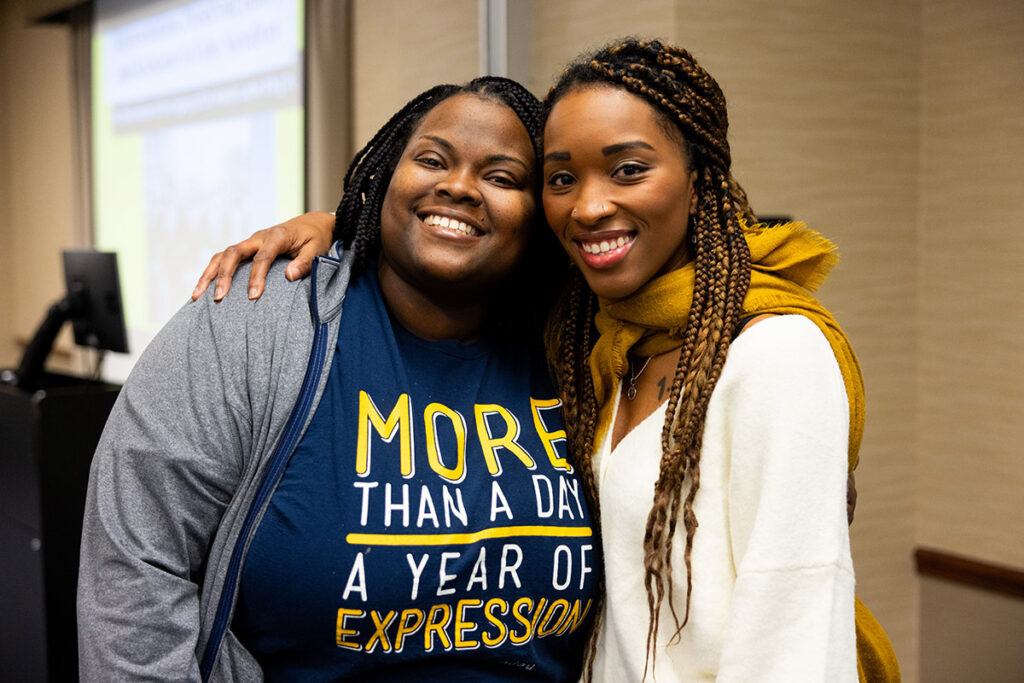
[98,318]
[92,304]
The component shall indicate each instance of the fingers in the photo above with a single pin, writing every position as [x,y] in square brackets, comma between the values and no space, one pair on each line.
[229,260]
[275,241]
[223,266]
[302,264]
[207,277]
[303,237]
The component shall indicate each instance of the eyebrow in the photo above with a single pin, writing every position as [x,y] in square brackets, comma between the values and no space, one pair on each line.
[490,159]
[441,141]
[620,146]
[605,151]
[557,156]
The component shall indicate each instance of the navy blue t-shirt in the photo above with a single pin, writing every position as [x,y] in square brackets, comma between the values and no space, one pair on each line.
[428,524]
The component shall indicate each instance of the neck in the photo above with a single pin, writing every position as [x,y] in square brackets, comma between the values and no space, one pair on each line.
[432,316]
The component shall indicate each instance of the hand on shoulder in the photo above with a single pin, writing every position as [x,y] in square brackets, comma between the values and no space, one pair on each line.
[303,238]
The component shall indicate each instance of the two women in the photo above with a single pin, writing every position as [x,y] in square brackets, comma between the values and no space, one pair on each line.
[700,382]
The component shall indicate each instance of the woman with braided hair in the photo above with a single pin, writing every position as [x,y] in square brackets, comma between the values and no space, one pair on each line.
[361,476]
[748,435]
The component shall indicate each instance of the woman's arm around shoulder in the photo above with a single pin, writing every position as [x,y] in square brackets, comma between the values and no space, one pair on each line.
[303,238]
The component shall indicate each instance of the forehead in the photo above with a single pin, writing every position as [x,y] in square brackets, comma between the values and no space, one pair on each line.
[476,124]
[603,115]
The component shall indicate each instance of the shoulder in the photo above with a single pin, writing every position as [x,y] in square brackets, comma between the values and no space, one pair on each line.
[786,341]
[779,358]
[235,312]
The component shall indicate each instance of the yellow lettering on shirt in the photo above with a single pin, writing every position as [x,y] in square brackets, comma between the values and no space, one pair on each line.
[342,631]
[546,627]
[399,421]
[436,627]
[502,633]
[430,416]
[379,634]
[517,613]
[549,438]
[574,618]
[462,624]
[405,628]
[491,443]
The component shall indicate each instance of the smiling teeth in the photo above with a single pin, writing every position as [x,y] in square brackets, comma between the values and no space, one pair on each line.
[604,246]
[451,224]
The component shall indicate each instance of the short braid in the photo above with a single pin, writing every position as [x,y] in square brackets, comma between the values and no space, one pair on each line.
[688,102]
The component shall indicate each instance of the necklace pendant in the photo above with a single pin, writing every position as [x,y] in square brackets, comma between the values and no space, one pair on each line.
[634,377]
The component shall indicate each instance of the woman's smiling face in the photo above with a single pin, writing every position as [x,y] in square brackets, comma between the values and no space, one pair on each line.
[618,189]
[458,210]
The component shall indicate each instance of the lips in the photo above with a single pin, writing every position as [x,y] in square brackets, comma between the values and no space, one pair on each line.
[605,250]
[451,224]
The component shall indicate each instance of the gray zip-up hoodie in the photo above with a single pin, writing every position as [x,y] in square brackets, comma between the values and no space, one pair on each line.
[197,441]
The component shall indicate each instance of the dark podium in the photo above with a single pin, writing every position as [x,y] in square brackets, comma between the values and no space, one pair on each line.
[47,438]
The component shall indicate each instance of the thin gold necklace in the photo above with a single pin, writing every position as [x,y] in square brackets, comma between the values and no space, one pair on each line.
[634,377]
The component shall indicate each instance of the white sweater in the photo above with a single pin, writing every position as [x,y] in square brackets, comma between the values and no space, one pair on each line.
[772,575]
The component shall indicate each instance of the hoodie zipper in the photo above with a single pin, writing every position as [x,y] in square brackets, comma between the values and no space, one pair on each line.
[278,462]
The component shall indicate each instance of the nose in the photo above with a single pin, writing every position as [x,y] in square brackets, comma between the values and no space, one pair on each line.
[592,205]
[459,184]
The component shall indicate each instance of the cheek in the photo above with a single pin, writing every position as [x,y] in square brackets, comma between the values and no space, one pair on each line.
[669,210]
[519,210]
[555,211]
[389,210]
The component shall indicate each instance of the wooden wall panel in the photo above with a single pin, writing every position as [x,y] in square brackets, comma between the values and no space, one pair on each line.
[36,211]
[401,49]
[564,29]
[970,279]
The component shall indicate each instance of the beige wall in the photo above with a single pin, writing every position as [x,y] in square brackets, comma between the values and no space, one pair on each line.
[7,347]
[968,635]
[970,277]
[893,128]
[560,31]
[36,206]
[403,48]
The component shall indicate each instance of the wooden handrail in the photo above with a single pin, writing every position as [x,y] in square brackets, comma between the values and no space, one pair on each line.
[971,572]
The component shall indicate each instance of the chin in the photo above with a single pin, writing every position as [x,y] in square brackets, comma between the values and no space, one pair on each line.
[610,287]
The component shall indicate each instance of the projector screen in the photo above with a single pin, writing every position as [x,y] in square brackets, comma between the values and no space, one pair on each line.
[198,139]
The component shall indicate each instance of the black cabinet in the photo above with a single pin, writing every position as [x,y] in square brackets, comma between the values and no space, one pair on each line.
[47,438]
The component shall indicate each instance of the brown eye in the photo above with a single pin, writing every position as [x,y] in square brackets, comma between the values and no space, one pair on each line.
[429,161]
[504,180]
[630,169]
[560,179]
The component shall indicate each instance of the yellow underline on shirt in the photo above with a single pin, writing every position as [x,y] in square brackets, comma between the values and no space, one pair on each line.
[461,539]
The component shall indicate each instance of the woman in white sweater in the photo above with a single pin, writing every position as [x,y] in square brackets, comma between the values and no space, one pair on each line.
[746,435]
[675,417]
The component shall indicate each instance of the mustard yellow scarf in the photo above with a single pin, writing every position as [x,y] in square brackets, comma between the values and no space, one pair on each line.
[786,262]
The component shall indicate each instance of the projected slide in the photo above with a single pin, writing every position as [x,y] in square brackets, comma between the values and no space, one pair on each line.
[197,139]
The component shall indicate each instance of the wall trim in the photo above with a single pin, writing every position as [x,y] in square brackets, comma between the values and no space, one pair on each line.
[970,572]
